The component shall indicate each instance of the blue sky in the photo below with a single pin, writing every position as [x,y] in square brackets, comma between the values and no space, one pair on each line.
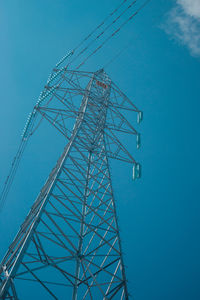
[159,71]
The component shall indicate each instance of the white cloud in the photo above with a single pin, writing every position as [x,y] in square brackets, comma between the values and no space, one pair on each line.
[184,24]
[191,7]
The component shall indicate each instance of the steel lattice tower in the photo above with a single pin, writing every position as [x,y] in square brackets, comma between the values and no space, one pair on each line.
[69,244]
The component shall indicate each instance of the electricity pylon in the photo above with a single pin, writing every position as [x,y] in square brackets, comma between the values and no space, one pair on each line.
[69,246]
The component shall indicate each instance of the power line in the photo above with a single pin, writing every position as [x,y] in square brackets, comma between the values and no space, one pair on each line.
[100,25]
[114,33]
[103,31]
[11,175]
[118,54]
[110,61]
[69,54]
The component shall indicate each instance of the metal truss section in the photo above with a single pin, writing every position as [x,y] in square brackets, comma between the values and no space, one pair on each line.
[69,245]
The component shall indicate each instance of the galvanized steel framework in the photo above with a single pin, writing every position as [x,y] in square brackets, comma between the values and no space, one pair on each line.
[69,243]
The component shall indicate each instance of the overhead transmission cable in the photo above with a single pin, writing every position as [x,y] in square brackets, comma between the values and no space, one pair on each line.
[15,164]
[102,32]
[10,177]
[123,49]
[114,33]
[100,25]
[69,54]
[118,54]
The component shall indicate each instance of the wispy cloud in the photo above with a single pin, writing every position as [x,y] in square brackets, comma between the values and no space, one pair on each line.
[183,23]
